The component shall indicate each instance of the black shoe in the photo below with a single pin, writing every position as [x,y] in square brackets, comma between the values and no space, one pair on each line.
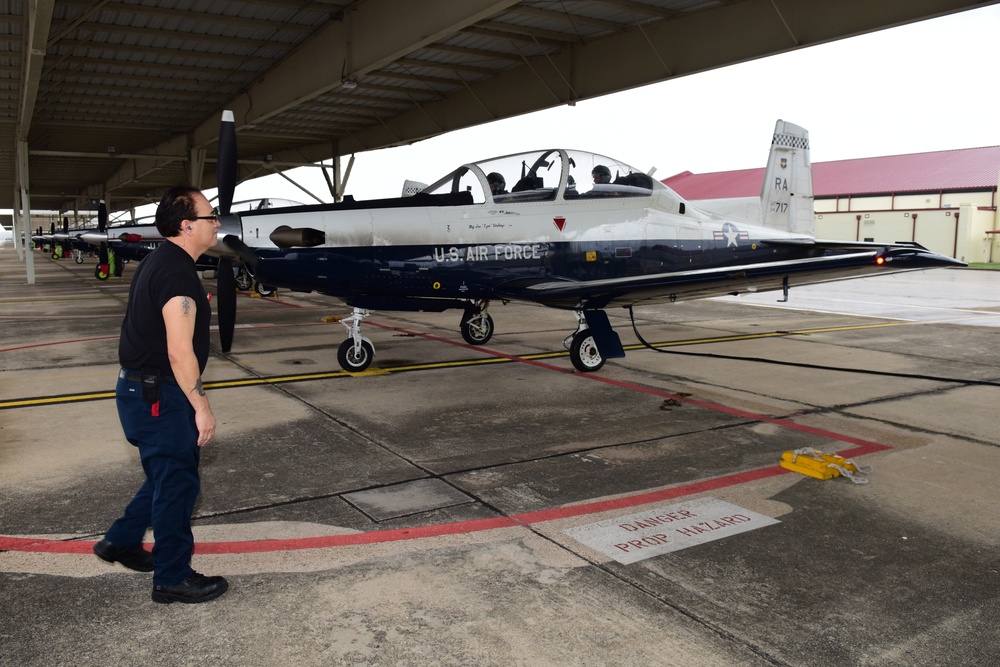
[134,558]
[196,588]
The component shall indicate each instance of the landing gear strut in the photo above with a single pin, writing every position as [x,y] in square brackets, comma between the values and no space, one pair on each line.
[355,353]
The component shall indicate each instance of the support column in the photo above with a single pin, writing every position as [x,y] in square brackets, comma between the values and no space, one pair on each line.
[25,206]
[17,228]
[196,167]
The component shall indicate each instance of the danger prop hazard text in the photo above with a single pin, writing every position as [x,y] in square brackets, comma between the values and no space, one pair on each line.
[664,529]
[686,530]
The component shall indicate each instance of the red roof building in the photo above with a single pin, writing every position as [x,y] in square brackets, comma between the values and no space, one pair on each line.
[945,200]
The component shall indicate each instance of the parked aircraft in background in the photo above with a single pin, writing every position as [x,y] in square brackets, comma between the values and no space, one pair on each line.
[575,231]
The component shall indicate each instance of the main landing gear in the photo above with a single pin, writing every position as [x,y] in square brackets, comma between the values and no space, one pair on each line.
[477,324]
[582,347]
[246,282]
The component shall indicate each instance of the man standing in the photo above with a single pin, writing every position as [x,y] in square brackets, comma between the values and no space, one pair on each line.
[162,406]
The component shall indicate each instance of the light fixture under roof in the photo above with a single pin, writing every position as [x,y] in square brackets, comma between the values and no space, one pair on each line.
[349,84]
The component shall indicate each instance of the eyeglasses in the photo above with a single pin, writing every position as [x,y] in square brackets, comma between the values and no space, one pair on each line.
[214,216]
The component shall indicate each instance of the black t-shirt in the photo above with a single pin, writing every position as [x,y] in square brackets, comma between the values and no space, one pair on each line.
[166,272]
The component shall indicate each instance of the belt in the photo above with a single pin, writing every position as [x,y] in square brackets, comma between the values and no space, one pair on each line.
[136,376]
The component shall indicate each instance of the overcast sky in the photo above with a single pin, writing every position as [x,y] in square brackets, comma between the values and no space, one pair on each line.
[923,87]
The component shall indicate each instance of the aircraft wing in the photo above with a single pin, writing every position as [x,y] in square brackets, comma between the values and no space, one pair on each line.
[741,279]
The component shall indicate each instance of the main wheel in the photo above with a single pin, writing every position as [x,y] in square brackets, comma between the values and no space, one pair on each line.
[264,290]
[355,361]
[477,329]
[244,280]
[584,354]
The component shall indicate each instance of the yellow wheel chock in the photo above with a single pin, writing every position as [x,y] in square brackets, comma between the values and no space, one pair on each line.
[815,463]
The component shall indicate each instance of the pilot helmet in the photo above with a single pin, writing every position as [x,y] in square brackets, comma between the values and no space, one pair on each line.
[601,174]
[496,181]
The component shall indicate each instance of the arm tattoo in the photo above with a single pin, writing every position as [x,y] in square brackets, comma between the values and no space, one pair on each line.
[198,389]
[186,305]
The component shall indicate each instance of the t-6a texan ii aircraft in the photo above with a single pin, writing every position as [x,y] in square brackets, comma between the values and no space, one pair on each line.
[576,231]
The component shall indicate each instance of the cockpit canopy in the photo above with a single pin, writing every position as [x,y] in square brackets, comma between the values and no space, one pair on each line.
[546,175]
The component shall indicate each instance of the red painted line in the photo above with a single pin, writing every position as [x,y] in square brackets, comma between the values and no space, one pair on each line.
[58,342]
[523,520]
[526,519]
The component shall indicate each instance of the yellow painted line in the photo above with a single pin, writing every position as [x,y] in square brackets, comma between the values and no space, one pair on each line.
[330,375]
[53,400]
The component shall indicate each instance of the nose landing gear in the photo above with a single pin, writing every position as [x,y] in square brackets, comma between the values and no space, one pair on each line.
[357,352]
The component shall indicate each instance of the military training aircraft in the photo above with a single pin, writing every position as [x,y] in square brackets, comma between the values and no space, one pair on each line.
[576,231]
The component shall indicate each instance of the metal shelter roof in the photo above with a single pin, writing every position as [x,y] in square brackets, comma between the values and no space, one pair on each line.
[119,100]
[963,169]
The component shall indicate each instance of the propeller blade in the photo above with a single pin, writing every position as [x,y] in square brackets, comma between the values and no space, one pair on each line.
[65,225]
[234,243]
[102,217]
[226,165]
[227,303]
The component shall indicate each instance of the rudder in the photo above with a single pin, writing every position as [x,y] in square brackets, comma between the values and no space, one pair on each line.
[787,193]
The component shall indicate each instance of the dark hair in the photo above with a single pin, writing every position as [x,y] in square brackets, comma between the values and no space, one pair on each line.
[177,205]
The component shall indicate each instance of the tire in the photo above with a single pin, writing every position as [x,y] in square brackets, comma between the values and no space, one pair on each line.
[100,275]
[355,363]
[243,280]
[79,259]
[476,329]
[264,290]
[584,354]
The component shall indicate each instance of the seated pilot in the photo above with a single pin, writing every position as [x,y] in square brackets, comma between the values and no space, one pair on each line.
[601,174]
[602,179]
[497,183]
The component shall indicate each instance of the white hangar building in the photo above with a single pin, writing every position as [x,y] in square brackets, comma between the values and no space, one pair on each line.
[945,200]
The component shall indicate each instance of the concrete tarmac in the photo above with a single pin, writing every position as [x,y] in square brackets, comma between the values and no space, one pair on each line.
[490,506]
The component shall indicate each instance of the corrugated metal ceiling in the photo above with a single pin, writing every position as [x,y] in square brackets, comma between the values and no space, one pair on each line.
[127,90]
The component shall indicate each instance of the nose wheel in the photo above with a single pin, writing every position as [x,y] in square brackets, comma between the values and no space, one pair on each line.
[357,352]
[355,359]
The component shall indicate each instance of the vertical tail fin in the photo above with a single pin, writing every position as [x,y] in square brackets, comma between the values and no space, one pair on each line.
[786,197]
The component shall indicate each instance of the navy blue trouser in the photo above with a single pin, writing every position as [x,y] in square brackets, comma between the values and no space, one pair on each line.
[168,448]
